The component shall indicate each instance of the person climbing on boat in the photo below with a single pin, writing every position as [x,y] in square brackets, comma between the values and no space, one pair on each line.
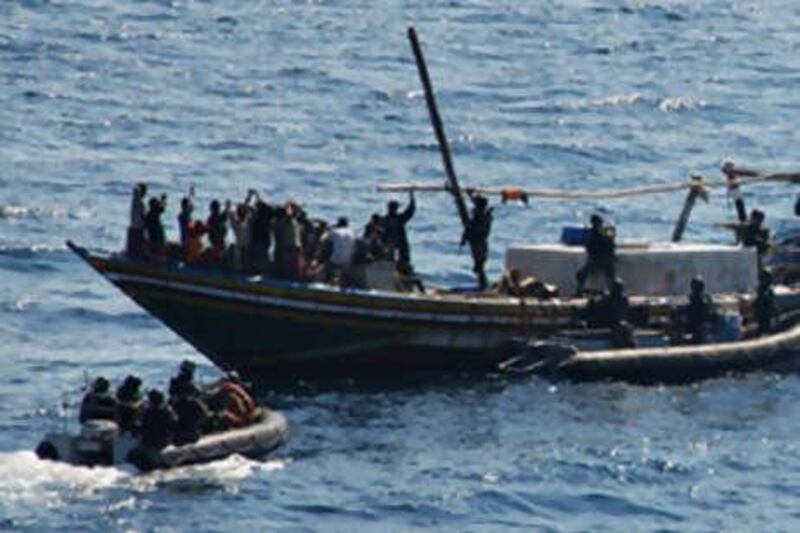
[235,404]
[600,253]
[158,422]
[217,228]
[193,415]
[765,303]
[394,228]
[129,404]
[477,233]
[136,239]
[154,227]
[699,312]
[99,403]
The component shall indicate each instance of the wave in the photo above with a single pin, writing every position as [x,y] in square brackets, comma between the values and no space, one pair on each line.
[680,103]
[19,211]
[622,100]
[26,480]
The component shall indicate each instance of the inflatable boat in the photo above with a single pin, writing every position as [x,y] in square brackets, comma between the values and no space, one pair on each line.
[666,364]
[100,442]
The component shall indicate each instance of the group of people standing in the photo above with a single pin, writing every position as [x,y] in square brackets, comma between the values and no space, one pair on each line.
[277,240]
[190,411]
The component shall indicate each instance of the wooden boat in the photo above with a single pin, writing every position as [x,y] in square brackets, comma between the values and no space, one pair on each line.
[100,443]
[262,326]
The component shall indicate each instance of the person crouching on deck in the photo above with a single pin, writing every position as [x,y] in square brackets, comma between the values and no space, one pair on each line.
[600,253]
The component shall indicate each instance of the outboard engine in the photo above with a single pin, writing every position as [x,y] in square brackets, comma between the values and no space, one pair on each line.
[95,443]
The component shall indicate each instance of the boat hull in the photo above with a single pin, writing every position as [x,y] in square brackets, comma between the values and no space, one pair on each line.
[273,328]
[254,441]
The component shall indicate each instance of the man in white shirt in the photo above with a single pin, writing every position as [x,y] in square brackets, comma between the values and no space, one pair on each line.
[343,244]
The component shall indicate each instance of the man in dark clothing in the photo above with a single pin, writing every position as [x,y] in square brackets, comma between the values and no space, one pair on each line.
[477,235]
[765,303]
[99,403]
[184,219]
[217,226]
[374,238]
[600,251]
[154,228]
[289,257]
[614,308]
[394,230]
[699,312]
[615,305]
[261,236]
[136,238]
[183,381]
[193,416]
[129,406]
[755,234]
[158,422]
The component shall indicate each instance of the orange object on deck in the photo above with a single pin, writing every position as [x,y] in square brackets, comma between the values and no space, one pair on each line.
[514,193]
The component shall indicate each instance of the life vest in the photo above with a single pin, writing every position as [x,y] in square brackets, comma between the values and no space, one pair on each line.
[238,406]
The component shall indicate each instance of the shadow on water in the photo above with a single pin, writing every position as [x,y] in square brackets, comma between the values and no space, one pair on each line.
[365,382]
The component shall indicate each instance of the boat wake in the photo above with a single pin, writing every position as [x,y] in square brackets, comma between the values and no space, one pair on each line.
[26,480]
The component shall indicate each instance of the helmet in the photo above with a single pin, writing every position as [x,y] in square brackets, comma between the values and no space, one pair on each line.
[698,284]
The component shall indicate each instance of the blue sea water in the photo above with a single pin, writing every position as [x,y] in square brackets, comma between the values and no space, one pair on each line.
[319,101]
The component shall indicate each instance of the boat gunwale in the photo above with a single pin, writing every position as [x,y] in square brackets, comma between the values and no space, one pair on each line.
[461,303]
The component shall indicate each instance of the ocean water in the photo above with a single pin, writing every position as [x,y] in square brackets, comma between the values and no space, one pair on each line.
[319,101]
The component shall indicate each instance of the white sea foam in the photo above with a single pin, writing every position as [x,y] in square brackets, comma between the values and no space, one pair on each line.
[25,480]
[617,100]
[680,103]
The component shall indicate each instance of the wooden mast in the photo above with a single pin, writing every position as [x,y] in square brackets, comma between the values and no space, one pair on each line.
[438,129]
